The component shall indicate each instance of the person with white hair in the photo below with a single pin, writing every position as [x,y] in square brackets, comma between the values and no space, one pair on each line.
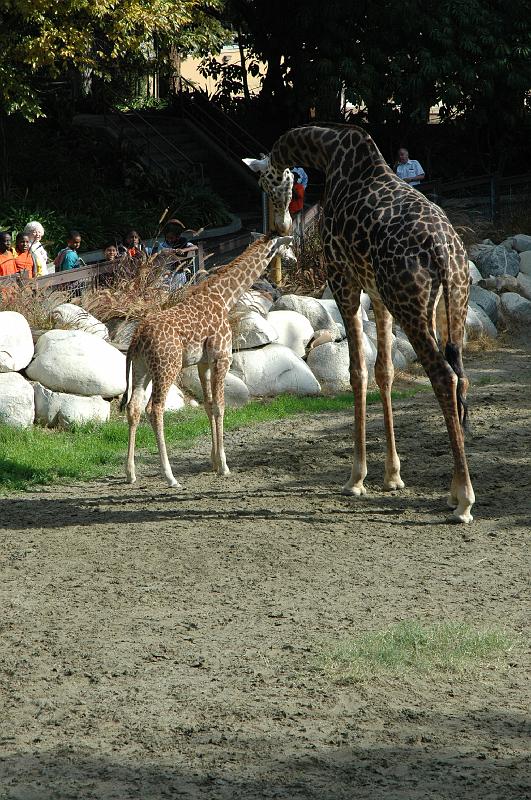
[34,231]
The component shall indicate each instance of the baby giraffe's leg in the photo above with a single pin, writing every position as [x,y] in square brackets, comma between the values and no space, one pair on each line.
[203,369]
[134,411]
[220,368]
[162,380]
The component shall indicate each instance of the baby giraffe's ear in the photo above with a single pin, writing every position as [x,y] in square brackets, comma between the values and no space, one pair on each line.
[257,164]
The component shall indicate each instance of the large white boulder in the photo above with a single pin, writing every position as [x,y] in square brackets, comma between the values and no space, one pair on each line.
[293,330]
[524,284]
[365,300]
[274,369]
[473,324]
[525,262]
[17,404]
[489,328]
[488,301]
[522,243]
[254,301]
[174,399]
[516,311]
[316,313]
[16,342]
[475,274]
[75,362]
[333,309]
[252,330]
[330,363]
[236,392]
[68,316]
[404,346]
[495,260]
[59,410]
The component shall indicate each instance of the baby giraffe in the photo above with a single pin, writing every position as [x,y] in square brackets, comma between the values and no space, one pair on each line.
[196,331]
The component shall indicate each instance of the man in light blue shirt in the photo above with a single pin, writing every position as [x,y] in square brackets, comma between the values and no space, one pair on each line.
[408,169]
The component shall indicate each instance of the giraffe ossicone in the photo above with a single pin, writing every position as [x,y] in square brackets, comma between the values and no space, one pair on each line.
[195,331]
[382,236]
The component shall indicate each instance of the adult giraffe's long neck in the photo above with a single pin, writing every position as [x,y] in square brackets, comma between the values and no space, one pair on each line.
[236,278]
[318,147]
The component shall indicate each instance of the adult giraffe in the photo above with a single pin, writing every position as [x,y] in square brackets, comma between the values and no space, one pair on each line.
[384,237]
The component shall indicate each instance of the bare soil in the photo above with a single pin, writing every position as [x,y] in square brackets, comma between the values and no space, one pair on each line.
[161,644]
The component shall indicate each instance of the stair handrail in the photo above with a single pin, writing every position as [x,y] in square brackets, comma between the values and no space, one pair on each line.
[125,116]
[261,148]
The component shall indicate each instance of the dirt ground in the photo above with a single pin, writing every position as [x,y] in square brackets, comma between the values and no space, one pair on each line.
[162,644]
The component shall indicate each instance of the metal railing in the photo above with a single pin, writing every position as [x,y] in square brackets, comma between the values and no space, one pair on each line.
[490,192]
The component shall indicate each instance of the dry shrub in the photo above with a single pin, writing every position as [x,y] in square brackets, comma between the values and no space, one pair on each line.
[482,344]
[136,290]
[308,277]
[34,303]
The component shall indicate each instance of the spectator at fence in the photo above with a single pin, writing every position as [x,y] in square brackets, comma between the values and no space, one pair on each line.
[408,169]
[132,245]
[34,231]
[303,177]
[25,261]
[7,257]
[110,251]
[296,205]
[68,258]
[174,252]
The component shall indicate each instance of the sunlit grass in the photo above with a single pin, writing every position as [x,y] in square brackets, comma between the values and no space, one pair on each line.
[38,456]
[413,647]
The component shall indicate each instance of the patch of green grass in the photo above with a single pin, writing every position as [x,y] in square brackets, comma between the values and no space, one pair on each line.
[411,647]
[38,456]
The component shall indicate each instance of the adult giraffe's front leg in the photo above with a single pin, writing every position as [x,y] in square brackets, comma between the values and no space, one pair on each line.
[384,372]
[358,379]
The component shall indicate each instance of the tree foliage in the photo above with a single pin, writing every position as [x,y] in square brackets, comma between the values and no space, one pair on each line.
[43,39]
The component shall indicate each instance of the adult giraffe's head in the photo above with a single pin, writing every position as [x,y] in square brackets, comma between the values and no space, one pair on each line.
[277,183]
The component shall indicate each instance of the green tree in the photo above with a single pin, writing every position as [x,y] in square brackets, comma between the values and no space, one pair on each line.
[43,39]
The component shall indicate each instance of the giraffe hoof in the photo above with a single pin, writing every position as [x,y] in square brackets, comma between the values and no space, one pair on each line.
[465,517]
[131,480]
[174,485]
[390,486]
[355,491]
[224,471]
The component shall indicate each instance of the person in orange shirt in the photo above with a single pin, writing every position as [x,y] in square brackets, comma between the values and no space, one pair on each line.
[24,259]
[7,259]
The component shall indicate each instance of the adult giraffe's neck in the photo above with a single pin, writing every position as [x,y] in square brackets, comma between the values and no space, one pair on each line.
[236,278]
[317,146]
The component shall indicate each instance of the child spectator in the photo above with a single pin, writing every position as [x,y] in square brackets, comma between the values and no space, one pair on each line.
[24,258]
[133,245]
[7,259]
[110,251]
[68,257]
[34,231]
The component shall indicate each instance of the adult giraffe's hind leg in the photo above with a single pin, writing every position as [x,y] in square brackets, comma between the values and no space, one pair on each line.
[444,381]
[384,373]
[205,376]
[358,380]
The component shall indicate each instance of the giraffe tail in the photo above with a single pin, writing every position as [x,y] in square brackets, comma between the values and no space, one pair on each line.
[453,351]
[125,396]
